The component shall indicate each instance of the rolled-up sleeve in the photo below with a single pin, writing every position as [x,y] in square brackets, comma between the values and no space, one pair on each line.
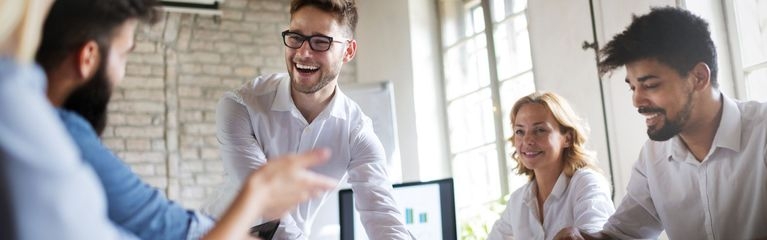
[372,189]
[239,148]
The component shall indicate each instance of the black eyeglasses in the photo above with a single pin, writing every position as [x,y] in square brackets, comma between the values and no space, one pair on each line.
[318,43]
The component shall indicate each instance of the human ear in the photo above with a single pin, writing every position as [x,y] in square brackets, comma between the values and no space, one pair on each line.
[350,50]
[88,59]
[701,75]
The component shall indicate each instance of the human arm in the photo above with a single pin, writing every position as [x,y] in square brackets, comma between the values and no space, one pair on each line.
[635,217]
[593,205]
[272,191]
[368,177]
[240,150]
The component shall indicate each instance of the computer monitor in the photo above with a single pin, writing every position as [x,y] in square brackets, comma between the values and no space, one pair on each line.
[428,210]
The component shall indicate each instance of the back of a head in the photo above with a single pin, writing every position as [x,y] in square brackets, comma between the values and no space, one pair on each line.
[673,36]
[72,23]
[345,11]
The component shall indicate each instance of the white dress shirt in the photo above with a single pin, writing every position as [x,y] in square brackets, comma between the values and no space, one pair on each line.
[722,197]
[582,201]
[260,121]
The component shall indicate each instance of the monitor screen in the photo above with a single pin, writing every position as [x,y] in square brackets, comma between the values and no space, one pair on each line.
[428,210]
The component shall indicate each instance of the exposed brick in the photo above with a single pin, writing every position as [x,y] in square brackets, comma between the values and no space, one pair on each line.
[144,169]
[116,144]
[152,132]
[142,157]
[162,115]
[145,47]
[138,145]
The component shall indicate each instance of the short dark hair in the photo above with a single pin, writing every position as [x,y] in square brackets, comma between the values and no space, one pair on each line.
[69,26]
[672,36]
[72,23]
[345,11]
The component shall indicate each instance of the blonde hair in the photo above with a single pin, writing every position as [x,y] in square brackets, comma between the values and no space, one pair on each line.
[21,26]
[575,156]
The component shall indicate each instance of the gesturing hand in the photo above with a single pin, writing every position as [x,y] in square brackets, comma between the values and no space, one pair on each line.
[286,181]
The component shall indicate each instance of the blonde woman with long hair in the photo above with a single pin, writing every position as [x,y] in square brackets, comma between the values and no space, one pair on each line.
[565,188]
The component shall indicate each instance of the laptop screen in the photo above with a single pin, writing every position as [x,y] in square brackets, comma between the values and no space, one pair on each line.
[428,210]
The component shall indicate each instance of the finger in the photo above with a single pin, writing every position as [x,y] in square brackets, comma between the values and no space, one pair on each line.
[320,181]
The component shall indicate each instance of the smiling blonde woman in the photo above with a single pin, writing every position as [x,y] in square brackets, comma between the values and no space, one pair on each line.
[565,188]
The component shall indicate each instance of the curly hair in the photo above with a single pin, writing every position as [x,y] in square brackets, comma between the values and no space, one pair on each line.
[345,11]
[576,156]
[672,36]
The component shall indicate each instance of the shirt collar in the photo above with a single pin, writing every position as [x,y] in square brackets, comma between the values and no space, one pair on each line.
[727,134]
[559,189]
[284,102]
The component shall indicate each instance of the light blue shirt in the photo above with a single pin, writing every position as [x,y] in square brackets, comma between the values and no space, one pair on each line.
[133,205]
[54,194]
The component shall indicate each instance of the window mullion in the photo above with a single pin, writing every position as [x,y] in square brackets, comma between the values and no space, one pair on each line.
[500,140]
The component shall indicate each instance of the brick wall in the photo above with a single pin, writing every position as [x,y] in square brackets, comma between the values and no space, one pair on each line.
[162,116]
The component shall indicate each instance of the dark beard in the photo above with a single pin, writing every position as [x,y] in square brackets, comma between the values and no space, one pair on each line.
[670,128]
[91,100]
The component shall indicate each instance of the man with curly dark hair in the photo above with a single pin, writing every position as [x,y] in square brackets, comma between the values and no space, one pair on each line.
[703,173]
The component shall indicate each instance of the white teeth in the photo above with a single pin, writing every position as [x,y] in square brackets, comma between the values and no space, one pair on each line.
[648,116]
[306,67]
[530,153]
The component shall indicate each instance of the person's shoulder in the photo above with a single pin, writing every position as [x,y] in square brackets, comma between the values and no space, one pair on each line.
[588,176]
[519,194]
[349,108]
[75,124]
[263,84]
[753,113]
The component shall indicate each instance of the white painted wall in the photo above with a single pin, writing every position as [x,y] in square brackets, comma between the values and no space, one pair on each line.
[398,41]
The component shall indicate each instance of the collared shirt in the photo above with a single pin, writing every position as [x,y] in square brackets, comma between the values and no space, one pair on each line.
[582,201]
[54,194]
[722,197]
[133,205]
[260,121]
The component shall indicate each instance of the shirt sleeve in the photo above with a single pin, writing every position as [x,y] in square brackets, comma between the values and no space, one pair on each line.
[199,225]
[593,205]
[288,229]
[372,189]
[636,216]
[240,150]
[502,228]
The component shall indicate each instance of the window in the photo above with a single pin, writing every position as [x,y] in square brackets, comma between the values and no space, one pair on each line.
[483,78]
[750,41]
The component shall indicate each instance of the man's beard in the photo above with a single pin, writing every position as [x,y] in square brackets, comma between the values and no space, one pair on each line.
[325,78]
[91,99]
[670,127]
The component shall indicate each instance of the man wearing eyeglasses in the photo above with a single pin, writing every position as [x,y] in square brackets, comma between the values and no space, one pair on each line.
[304,109]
